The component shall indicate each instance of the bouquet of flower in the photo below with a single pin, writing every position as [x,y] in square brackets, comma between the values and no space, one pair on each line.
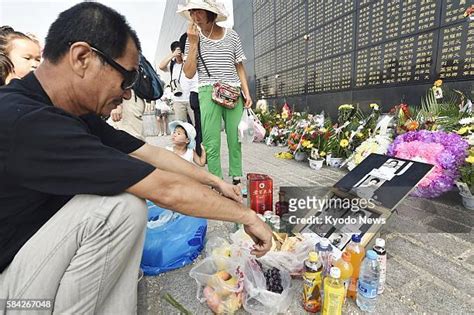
[446,151]
[442,108]
[338,143]
[294,141]
[278,136]
[267,118]
[319,139]
[349,126]
[376,144]
[301,127]
[404,118]
[467,173]
[276,125]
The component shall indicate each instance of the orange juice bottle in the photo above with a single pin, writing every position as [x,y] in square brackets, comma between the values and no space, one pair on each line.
[357,255]
[344,264]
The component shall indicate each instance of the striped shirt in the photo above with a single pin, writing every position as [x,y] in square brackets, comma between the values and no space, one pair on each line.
[220,57]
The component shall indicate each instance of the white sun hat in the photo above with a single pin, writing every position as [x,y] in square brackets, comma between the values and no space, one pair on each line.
[190,131]
[208,5]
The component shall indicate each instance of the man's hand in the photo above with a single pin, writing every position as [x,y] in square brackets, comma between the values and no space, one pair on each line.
[116,114]
[230,191]
[261,234]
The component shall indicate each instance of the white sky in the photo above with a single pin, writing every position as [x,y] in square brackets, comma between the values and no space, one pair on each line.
[144,16]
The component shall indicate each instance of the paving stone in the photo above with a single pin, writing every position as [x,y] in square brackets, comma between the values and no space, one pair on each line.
[435,299]
[443,208]
[470,260]
[410,212]
[390,303]
[400,224]
[438,266]
[448,226]
[398,274]
[448,244]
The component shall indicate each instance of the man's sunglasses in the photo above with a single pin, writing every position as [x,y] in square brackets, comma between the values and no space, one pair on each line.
[130,77]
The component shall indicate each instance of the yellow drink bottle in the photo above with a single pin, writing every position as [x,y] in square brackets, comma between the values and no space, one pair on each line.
[333,293]
[312,283]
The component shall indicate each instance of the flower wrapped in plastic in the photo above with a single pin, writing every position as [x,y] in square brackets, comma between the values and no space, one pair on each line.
[377,144]
[446,151]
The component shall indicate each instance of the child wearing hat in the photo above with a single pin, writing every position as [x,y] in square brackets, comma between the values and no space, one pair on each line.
[183,137]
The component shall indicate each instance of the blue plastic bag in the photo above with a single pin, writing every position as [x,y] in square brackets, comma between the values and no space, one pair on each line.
[172,240]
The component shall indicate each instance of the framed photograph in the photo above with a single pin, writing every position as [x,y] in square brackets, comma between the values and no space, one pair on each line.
[385,179]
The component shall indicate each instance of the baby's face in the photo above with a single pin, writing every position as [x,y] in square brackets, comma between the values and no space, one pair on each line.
[179,136]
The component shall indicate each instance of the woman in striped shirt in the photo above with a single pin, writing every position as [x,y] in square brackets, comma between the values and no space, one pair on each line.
[221,52]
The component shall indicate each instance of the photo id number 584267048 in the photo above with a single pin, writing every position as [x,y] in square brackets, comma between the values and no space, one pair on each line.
[26,304]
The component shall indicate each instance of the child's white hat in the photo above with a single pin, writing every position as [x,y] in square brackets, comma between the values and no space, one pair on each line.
[190,131]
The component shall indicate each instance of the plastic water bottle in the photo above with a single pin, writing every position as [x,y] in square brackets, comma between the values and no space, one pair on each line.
[368,283]
[324,250]
[379,248]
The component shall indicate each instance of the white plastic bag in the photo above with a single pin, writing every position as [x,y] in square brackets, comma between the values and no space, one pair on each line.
[290,261]
[257,299]
[238,250]
[220,284]
[246,127]
[259,130]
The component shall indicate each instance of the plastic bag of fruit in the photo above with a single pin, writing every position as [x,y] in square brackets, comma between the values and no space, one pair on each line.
[266,289]
[220,248]
[288,253]
[220,284]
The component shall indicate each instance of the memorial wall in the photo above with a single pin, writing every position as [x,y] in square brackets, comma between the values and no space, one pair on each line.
[322,53]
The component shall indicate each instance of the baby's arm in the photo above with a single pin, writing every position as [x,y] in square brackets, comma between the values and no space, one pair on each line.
[200,160]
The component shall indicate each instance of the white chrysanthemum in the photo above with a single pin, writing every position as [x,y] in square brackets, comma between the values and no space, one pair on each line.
[467,121]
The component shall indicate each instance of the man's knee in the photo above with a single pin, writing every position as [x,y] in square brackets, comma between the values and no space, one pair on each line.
[132,211]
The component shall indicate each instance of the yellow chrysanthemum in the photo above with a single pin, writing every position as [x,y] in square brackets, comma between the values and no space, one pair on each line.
[346,106]
[470,159]
[462,131]
[322,154]
[284,155]
[344,143]
[438,83]
[374,106]
[359,135]
[284,115]
[306,144]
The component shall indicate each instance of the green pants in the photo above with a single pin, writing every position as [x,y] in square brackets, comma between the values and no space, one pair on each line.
[211,117]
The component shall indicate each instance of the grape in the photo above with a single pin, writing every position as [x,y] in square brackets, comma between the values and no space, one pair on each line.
[273,280]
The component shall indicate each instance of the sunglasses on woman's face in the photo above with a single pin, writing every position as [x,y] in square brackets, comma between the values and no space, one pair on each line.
[130,77]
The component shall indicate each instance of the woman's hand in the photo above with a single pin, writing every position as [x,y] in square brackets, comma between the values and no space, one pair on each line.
[193,34]
[248,101]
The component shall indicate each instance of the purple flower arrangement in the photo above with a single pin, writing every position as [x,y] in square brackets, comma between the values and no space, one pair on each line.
[446,151]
